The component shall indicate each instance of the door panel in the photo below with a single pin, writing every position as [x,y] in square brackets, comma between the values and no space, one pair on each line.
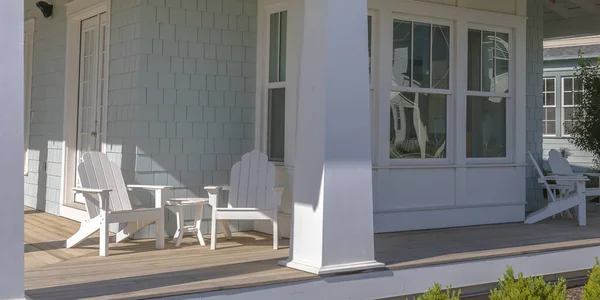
[91,102]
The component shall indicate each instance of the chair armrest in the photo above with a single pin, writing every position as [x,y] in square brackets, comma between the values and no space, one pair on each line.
[563,178]
[78,190]
[216,188]
[149,187]
[159,192]
[103,193]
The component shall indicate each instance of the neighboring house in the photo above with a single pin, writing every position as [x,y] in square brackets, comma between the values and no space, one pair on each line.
[562,90]
[381,115]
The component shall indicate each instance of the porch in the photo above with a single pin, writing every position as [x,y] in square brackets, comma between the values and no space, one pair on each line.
[135,270]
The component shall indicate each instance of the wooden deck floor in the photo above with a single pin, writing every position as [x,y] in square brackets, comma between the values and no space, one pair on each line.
[135,270]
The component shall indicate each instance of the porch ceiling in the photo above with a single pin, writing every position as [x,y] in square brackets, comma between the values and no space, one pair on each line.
[566,18]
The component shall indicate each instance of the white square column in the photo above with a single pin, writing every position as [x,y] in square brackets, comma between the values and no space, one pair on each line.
[332,227]
[11,153]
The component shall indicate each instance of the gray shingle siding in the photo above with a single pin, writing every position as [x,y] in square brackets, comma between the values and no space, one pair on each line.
[535,37]
[179,88]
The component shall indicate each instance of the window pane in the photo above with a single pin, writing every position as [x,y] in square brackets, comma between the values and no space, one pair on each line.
[369,37]
[578,84]
[401,64]
[549,99]
[501,64]
[440,69]
[486,127]
[577,97]
[568,82]
[568,113]
[568,98]
[474,76]
[550,85]
[417,125]
[282,45]
[487,61]
[568,126]
[421,55]
[274,48]
[276,125]
[549,127]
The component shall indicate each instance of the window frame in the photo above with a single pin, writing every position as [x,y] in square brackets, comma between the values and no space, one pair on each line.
[562,102]
[509,97]
[451,92]
[29,35]
[265,84]
[555,106]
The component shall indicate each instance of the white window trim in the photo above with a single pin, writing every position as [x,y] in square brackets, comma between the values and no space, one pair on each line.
[463,19]
[76,12]
[29,36]
[510,97]
[263,84]
[563,105]
[450,92]
[555,106]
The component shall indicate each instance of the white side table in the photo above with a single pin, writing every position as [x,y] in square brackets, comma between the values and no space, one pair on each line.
[181,228]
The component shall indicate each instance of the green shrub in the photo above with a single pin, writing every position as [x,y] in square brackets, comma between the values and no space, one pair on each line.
[592,288]
[530,288]
[435,293]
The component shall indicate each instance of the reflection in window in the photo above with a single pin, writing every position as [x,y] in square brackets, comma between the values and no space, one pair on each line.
[488,63]
[276,125]
[421,55]
[418,125]
[486,127]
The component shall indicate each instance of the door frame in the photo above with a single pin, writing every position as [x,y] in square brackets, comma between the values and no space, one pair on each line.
[77,11]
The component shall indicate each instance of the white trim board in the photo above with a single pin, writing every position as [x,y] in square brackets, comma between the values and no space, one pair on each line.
[393,283]
[28,47]
[571,42]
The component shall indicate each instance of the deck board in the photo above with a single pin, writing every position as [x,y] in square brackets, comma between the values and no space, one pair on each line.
[135,270]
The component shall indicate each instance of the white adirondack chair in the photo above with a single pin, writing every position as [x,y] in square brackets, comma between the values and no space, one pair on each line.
[252,195]
[560,166]
[107,201]
[562,202]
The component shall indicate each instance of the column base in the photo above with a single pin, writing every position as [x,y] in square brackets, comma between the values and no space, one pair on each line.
[331,269]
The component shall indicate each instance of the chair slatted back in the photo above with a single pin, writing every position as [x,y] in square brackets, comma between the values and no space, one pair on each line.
[252,182]
[541,174]
[96,171]
[559,166]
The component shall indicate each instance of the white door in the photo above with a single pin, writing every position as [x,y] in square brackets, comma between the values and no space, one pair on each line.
[92,98]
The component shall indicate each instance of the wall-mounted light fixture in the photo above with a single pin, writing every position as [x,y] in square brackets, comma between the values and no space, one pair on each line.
[45,7]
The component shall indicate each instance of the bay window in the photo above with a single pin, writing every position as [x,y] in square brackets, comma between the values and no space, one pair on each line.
[420,90]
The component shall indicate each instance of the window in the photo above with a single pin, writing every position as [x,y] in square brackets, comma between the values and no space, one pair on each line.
[571,97]
[420,90]
[487,93]
[549,117]
[28,54]
[276,86]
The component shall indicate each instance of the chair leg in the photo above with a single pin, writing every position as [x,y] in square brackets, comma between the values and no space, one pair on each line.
[198,224]
[104,237]
[179,234]
[582,213]
[86,229]
[275,234]
[226,229]
[213,233]
[160,233]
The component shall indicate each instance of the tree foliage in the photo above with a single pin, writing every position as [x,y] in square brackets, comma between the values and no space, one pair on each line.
[585,133]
